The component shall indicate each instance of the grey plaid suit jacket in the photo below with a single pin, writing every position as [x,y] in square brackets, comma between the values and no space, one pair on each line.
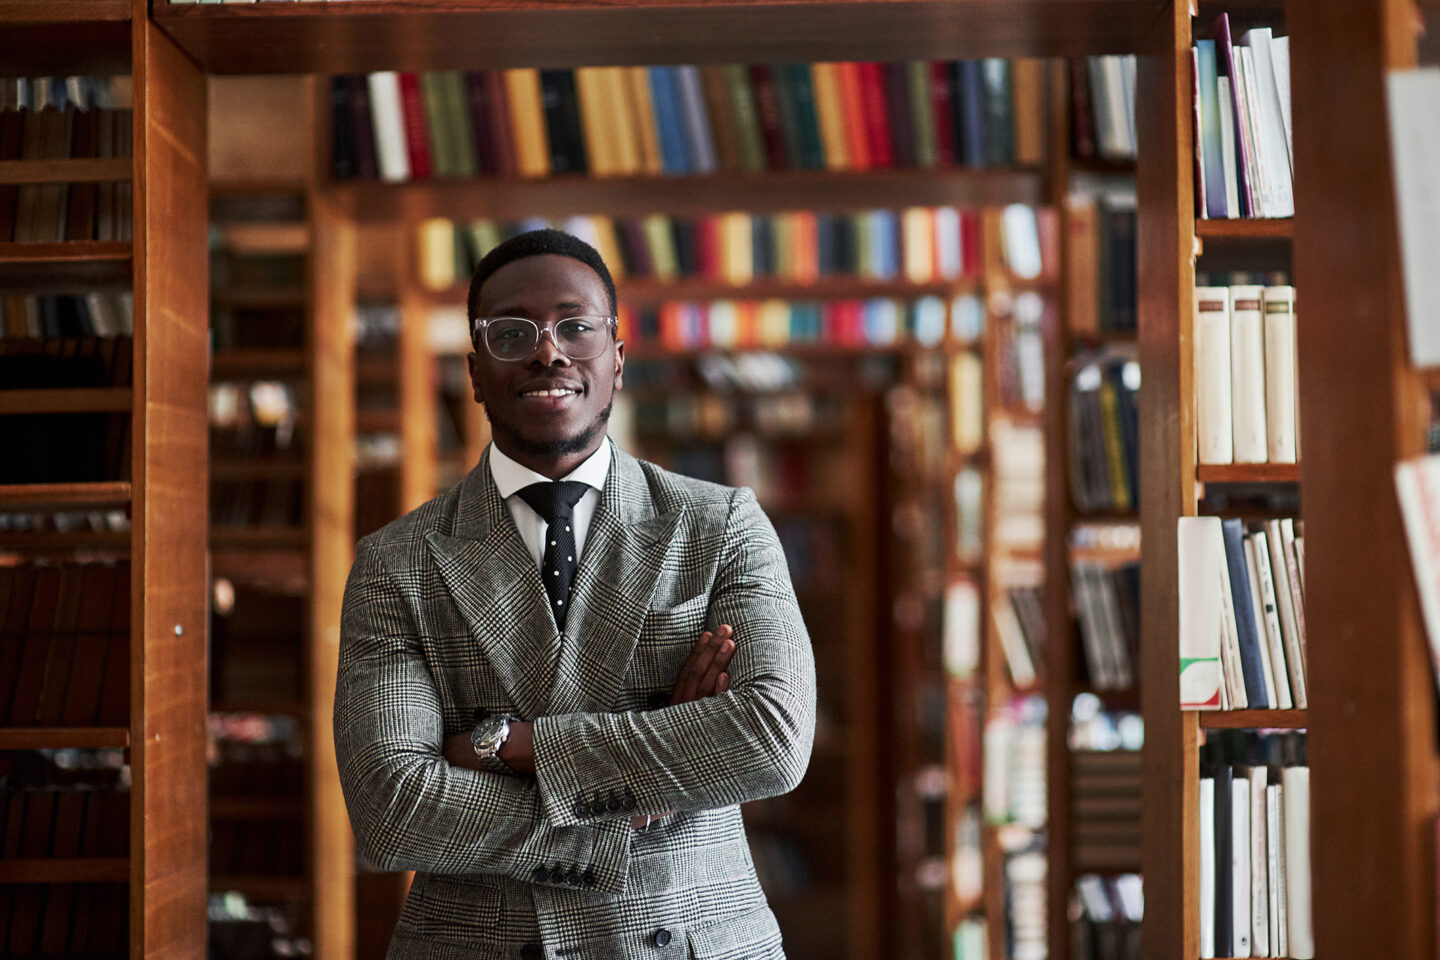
[445,612]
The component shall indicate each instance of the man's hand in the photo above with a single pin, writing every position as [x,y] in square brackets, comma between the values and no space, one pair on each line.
[703,674]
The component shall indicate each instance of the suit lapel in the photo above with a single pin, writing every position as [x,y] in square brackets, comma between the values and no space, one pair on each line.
[496,588]
[625,551]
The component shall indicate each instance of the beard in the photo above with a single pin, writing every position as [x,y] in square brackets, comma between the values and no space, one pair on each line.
[578,443]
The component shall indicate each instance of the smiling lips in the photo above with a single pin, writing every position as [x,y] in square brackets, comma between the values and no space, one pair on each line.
[548,392]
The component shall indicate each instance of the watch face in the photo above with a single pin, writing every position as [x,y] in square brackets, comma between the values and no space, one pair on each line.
[489,734]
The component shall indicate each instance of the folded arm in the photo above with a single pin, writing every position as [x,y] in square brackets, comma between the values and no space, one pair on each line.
[411,809]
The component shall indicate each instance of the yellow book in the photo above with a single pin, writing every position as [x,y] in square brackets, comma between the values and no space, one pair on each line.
[917,228]
[642,109]
[1114,448]
[774,323]
[622,113]
[435,243]
[737,249]
[829,105]
[1028,81]
[662,247]
[608,245]
[967,404]
[599,130]
[783,240]
[527,122]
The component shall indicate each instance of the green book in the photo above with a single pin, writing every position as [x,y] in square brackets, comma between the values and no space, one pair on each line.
[798,81]
[462,137]
[747,119]
[999,114]
[922,116]
[437,122]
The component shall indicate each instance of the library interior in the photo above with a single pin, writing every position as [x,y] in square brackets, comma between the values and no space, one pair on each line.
[992,305]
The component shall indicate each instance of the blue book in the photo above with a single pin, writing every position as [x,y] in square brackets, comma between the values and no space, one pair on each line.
[669,127]
[1208,143]
[801,86]
[885,243]
[696,119]
[970,104]
[1246,629]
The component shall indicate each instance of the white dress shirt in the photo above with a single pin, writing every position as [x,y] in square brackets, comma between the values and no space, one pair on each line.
[510,478]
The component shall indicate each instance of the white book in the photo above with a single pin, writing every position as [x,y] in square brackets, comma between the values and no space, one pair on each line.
[1207,867]
[1245,131]
[1289,625]
[1240,866]
[1214,428]
[1280,59]
[1235,694]
[1259,865]
[995,791]
[1275,853]
[1270,607]
[1227,149]
[1417,483]
[948,262]
[1272,116]
[1296,796]
[1275,681]
[1012,642]
[1201,551]
[1281,400]
[389,124]
[695,118]
[1414,156]
[1247,374]
[1114,629]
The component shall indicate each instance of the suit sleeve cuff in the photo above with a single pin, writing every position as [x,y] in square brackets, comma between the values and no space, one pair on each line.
[575,786]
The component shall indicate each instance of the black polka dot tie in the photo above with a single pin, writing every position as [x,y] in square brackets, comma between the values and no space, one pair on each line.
[555,502]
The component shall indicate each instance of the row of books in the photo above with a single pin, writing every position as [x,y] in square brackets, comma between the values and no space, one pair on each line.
[1106,914]
[96,447]
[77,92]
[1014,788]
[1024,891]
[255,419]
[1243,141]
[274,503]
[688,119]
[100,313]
[263,847]
[65,637]
[917,244]
[1242,614]
[59,918]
[1246,401]
[66,361]
[1104,428]
[1102,284]
[1254,827]
[1020,626]
[52,212]
[738,324]
[715,416]
[1020,349]
[19,525]
[1107,604]
[256,652]
[1102,107]
[1105,803]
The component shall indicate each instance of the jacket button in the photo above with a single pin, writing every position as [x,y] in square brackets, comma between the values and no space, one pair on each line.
[540,874]
[628,802]
[532,951]
[588,879]
[582,809]
[557,874]
[613,804]
[661,938]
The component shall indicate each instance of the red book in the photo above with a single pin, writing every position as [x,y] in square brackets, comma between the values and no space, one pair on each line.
[767,106]
[477,103]
[707,248]
[970,243]
[1082,116]
[877,115]
[944,112]
[852,103]
[499,133]
[672,326]
[417,134]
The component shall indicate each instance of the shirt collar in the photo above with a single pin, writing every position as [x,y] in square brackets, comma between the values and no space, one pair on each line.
[510,477]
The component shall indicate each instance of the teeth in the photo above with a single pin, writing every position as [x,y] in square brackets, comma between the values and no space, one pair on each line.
[548,393]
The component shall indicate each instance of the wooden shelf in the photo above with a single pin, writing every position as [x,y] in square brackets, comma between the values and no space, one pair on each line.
[263,888]
[20,12]
[78,265]
[46,496]
[1248,473]
[81,400]
[258,538]
[469,34]
[1245,229]
[70,170]
[68,251]
[255,239]
[256,808]
[257,469]
[260,363]
[258,297]
[65,37]
[1257,719]
[65,870]
[834,191]
[57,738]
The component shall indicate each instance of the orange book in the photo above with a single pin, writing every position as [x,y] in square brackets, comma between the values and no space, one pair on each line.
[747,324]
[672,326]
[1028,80]
[642,110]
[852,100]
[527,122]
[596,123]
[829,105]
[1082,282]
[805,247]
[722,118]
[622,112]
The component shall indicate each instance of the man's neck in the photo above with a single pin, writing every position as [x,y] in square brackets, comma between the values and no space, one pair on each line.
[554,467]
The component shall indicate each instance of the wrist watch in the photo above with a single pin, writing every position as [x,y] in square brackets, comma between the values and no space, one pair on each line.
[487,738]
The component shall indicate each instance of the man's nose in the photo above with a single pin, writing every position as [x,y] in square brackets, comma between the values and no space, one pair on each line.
[547,353]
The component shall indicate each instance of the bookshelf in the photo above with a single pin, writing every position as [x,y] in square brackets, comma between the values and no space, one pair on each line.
[151,559]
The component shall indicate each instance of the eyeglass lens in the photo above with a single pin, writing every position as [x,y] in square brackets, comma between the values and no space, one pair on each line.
[515,338]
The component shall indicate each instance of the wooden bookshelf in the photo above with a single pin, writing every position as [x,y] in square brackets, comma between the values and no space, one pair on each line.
[1254,720]
[68,170]
[1245,229]
[269,362]
[59,738]
[65,870]
[1247,473]
[82,400]
[40,496]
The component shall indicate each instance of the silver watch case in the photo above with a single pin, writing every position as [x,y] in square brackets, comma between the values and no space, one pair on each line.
[487,738]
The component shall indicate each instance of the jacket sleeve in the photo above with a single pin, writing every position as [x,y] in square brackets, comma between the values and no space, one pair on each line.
[409,808]
[750,742]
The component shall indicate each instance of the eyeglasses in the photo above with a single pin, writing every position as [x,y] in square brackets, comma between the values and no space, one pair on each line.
[516,338]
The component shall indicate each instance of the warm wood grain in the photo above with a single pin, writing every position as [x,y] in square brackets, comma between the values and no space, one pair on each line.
[17,12]
[69,251]
[419,394]
[266,362]
[1247,472]
[169,591]
[258,538]
[1244,229]
[70,170]
[265,238]
[58,738]
[1375,780]
[65,870]
[83,400]
[466,34]
[59,495]
[1253,719]
[687,196]
[61,37]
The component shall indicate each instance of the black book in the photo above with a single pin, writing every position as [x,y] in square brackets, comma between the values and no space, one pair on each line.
[342,133]
[562,122]
[762,245]
[827,243]
[686,248]
[897,100]
[1224,875]
[362,128]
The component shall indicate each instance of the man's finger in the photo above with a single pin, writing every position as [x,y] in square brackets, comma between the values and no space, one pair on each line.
[724,648]
[687,684]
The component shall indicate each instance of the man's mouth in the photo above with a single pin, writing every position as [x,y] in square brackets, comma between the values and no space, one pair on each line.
[551,392]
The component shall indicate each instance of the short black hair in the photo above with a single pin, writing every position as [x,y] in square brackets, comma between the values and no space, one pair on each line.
[535,243]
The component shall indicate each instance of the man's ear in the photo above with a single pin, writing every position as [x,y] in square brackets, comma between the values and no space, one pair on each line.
[619,364]
[472,362]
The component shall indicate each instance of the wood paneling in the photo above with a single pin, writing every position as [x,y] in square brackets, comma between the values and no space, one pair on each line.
[243,142]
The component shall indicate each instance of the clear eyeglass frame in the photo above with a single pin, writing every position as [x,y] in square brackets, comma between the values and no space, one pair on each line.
[604,325]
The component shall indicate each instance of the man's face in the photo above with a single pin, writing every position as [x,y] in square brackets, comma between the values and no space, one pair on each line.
[550,434]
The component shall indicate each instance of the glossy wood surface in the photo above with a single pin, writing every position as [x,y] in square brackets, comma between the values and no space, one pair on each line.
[40,496]
[83,400]
[60,738]
[467,34]
[1253,719]
[69,170]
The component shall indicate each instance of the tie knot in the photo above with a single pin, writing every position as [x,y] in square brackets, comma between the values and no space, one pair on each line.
[555,500]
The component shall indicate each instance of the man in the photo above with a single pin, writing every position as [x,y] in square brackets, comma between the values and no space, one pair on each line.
[553,721]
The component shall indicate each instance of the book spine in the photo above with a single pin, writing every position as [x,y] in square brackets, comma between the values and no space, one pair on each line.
[561,104]
[1299,927]
[1201,552]
[829,108]
[1247,630]
[417,137]
[878,135]
[748,132]
[1278,304]
[362,129]
[852,115]
[1247,374]
[695,118]
[1214,421]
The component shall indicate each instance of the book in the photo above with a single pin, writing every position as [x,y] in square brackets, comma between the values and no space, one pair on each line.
[1276,688]
[1278,305]
[922,113]
[389,126]
[1275,867]
[415,125]
[695,119]
[525,108]
[362,129]
[1207,881]
[1270,604]
[830,109]
[1247,374]
[1289,621]
[1259,862]
[1201,553]
[1214,429]
[722,118]
[1265,91]
[564,133]
[1229,159]
[642,108]
[1239,860]
[878,134]
[1247,630]
[1224,862]
[1299,925]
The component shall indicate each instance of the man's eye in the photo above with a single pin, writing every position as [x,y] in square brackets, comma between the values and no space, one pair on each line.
[511,333]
